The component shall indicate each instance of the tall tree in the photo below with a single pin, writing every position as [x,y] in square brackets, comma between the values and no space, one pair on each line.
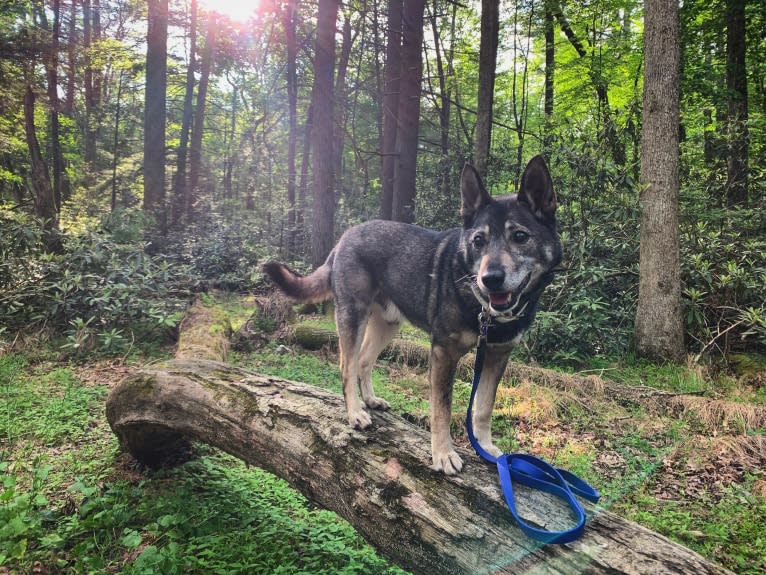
[155,111]
[44,199]
[403,205]
[180,188]
[198,125]
[392,72]
[736,97]
[323,211]
[550,62]
[658,327]
[289,24]
[490,30]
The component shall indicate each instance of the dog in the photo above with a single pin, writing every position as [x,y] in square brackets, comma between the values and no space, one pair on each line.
[383,272]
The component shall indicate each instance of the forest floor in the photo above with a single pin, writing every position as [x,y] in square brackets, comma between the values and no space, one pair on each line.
[681,450]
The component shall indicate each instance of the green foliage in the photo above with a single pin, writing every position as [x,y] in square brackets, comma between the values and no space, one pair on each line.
[69,509]
[708,526]
[101,291]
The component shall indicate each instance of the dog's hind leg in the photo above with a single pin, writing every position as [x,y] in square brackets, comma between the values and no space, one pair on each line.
[382,325]
[351,322]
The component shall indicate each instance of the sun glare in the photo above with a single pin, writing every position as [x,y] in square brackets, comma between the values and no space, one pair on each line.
[239,10]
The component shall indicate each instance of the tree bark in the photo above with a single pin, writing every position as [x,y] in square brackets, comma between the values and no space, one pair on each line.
[288,23]
[490,29]
[180,188]
[391,82]
[323,211]
[198,125]
[736,96]
[659,324]
[379,480]
[550,62]
[405,175]
[155,112]
[45,202]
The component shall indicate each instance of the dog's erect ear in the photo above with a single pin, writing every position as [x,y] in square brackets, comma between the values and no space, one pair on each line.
[536,189]
[472,194]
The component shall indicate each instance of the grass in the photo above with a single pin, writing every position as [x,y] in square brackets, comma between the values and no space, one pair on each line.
[71,503]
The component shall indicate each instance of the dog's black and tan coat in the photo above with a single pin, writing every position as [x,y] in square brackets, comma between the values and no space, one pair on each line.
[381,273]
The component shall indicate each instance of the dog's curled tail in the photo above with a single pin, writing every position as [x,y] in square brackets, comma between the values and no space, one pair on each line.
[313,288]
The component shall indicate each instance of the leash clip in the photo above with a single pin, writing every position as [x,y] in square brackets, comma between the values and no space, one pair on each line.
[485,320]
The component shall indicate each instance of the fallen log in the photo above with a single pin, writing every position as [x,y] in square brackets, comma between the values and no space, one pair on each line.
[718,416]
[379,480]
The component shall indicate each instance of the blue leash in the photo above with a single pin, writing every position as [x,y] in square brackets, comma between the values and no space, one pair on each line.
[532,472]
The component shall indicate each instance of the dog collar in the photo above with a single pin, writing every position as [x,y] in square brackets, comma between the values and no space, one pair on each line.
[492,329]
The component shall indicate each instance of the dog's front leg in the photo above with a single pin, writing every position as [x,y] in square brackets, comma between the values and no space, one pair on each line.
[443,364]
[495,360]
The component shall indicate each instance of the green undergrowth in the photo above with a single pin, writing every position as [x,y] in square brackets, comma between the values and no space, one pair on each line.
[627,452]
[71,503]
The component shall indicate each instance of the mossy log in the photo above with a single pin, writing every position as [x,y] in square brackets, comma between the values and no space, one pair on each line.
[379,479]
[716,415]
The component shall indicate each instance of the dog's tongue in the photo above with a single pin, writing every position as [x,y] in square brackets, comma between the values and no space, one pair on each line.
[499,300]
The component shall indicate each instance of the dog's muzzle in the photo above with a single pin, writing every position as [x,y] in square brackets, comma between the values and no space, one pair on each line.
[503,305]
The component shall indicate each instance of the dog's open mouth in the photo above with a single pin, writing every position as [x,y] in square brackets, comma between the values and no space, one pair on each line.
[501,301]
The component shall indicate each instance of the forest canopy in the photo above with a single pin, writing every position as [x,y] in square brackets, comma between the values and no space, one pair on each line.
[146,146]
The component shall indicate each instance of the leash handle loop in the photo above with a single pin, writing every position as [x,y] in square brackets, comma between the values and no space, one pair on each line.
[532,472]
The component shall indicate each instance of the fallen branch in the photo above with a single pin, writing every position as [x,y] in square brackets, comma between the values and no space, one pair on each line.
[379,480]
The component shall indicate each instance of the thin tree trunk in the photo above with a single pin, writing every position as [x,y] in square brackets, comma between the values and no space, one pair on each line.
[44,200]
[736,90]
[490,29]
[180,188]
[405,176]
[155,113]
[445,105]
[659,328]
[303,185]
[323,102]
[195,150]
[116,141]
[51,72]
[71,60]
[340,101]
[391,87]
[288,22]
[550,61]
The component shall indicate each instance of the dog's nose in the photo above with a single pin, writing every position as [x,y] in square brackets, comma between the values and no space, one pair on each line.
[493,279]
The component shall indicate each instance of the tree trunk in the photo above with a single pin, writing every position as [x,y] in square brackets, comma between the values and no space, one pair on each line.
[198,125]
[490,29]
[155,112]
[288,23]
[323,103]
[445,96]
[659,324]
[405,175]
[736,90]
[71,60]
[391,86]
[341,100]
[379,480]
[180,188]
[51,72]
[45,202]
[550,62]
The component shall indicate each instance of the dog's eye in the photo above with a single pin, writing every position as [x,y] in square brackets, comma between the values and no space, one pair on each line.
[520,237]
[479,241]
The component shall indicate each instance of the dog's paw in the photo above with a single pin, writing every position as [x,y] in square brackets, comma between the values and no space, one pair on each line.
[359,419]
[448,462]
[492,449]
[376,403]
